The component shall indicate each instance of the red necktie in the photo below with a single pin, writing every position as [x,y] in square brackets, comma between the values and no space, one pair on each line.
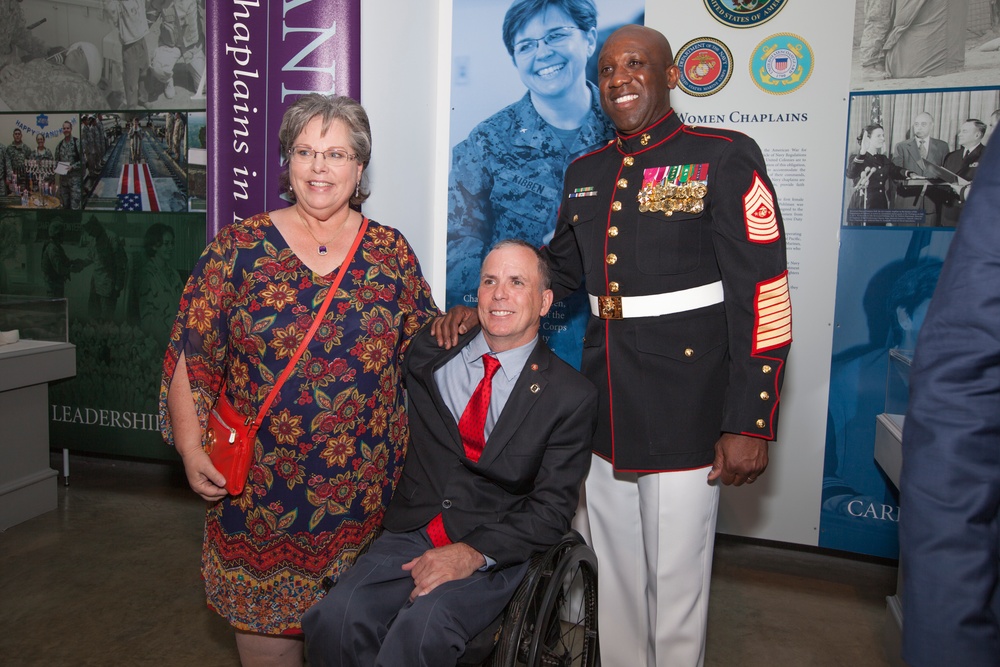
[473,421]
[471,427]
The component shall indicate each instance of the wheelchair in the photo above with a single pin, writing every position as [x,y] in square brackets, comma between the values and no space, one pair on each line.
[552,619]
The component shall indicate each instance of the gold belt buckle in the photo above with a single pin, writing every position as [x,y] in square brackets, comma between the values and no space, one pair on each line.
[609,307]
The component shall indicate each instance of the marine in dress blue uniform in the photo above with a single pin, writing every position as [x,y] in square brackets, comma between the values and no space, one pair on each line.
[676,233]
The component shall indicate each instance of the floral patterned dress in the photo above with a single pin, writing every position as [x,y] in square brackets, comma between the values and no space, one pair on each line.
[328,453]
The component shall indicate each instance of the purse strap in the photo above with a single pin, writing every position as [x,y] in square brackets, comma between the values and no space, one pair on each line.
[320,314]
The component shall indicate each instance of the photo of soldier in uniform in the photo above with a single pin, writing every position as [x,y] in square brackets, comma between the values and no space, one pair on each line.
[524,106]
[43,165]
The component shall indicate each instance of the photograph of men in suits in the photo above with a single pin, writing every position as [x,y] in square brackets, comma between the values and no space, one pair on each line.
[492,475]
[913,155]
[962,162]
[991,123]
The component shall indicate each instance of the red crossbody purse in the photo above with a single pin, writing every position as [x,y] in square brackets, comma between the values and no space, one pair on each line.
[230,436]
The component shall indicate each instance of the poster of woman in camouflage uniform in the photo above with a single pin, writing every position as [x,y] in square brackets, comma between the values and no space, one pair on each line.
[507,172]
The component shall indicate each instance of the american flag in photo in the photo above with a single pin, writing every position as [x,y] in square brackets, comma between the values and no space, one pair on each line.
[135,189]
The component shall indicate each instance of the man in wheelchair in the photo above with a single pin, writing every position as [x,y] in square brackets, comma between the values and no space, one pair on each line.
[500,438]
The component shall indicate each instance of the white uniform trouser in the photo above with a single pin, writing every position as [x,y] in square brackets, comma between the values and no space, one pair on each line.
[653,534]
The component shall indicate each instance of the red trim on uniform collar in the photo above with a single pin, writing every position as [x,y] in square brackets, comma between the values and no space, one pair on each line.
[626,137]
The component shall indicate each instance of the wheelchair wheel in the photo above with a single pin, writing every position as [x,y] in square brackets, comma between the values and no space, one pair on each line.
[552,619]
[522,610]
[565,633]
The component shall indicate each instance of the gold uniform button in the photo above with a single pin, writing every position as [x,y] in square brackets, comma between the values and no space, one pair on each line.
[616,206]
[613,286]
[688,352]
[764,396]
[612,258]
[576,218]
[612,232]
[766,369]
[629,160]
[622,183]
[761,423]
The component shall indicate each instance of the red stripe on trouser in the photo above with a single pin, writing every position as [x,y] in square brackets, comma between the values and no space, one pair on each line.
[435,531]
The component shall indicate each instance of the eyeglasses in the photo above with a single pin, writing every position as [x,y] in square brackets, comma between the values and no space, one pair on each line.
[335,157]
[554,37]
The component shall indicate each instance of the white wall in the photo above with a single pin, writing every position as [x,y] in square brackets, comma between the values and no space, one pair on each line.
[405,75]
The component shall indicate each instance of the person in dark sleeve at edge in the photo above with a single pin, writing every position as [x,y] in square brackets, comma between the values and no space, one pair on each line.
[949,517]
[677,235]
[501,430]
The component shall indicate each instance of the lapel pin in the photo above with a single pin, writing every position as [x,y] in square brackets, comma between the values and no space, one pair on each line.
[535,389]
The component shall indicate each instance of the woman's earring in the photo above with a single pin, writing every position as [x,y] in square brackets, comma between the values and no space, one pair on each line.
[357,188]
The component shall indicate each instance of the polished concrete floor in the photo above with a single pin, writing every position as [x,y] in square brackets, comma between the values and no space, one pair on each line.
[111,578]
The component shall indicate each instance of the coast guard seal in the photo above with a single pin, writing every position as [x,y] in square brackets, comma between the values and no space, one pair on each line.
[781,63]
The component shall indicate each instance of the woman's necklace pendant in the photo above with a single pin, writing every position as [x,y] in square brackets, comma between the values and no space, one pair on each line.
[321,250]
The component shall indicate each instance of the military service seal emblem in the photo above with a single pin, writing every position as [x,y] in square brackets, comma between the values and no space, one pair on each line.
[743,13]
[781,63]
[706,65]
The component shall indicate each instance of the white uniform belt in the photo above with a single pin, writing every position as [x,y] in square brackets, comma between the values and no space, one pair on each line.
[651,305]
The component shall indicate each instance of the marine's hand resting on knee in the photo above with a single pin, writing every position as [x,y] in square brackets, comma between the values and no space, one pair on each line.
[437,566]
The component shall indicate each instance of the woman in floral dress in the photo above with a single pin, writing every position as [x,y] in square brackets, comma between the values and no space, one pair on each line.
[327,455]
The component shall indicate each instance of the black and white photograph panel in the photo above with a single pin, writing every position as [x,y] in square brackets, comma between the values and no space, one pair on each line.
[905,44]
[912,157]
[102,54]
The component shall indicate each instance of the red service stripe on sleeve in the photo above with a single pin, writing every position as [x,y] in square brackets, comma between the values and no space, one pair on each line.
[758,207]
[772,315]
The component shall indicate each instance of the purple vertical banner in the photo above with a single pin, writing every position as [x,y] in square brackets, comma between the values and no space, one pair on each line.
[263,55]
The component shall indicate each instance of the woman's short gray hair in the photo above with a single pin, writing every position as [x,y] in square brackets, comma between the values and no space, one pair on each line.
[329,108]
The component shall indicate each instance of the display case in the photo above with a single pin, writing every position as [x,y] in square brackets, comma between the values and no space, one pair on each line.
[889,424]
[35,318]
[889,457]
[35,352]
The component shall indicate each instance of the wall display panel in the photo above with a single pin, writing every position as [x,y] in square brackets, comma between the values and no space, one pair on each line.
[809,132]
[885,281]
[88,55]
[905,44]
[122,275]
[197,154]
[96,198]
[520,113]
[910,155]
[927,100]
[787,90]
